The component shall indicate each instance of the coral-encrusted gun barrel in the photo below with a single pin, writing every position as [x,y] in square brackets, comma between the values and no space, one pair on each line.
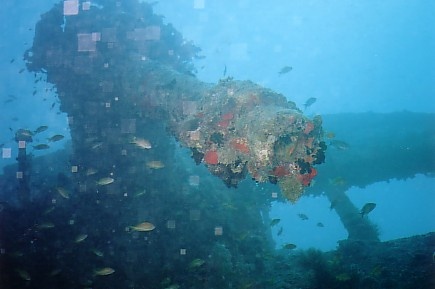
[238,127]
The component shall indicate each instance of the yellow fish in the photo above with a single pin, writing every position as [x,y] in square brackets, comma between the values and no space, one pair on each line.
[46,225]
[196,263]
[105,181]
[141,143]
[155,165]
[63,192]
[97,252]
[81,238]
[104,271]
[91,171]
[143,227]
[289,246]
[330,134]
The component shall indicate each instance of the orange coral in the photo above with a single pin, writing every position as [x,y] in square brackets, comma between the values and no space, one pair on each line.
[211,158]
[240,144]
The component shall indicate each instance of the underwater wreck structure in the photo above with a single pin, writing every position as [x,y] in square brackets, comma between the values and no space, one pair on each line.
[126,81]
[117,67]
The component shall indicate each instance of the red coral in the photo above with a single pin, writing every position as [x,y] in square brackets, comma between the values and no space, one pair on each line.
[306,178]
[228,116]
[240,144]
[309,126]
[211,158]
[281,171]
[224,123]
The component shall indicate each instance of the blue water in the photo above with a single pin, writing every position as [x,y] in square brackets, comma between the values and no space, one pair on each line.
[404,208]
[353,56]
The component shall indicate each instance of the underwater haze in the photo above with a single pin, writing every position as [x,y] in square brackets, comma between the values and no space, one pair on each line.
[367,68]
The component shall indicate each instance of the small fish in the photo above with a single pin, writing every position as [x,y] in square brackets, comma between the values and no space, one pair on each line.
[141,143]
[140,193]
[12,60]
[289,246]
[97,252]
[195,263]
[105,181]
[279,232]
[56,137]
[24,133]
[229,206]
[40,129]
[225,71]
[80,238]
[310,102]
[367,208]
[104,271]
[285,69]
[41,147]
[49,210]
[21,70]
[44,226]
[55,272]
[330,134]
[303,217]
[23,274]
[320,225]
[91,171]
[63,192]
[155,165]
[339,144]
[97,145]
[338,181]
[143,227]
[274,222]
